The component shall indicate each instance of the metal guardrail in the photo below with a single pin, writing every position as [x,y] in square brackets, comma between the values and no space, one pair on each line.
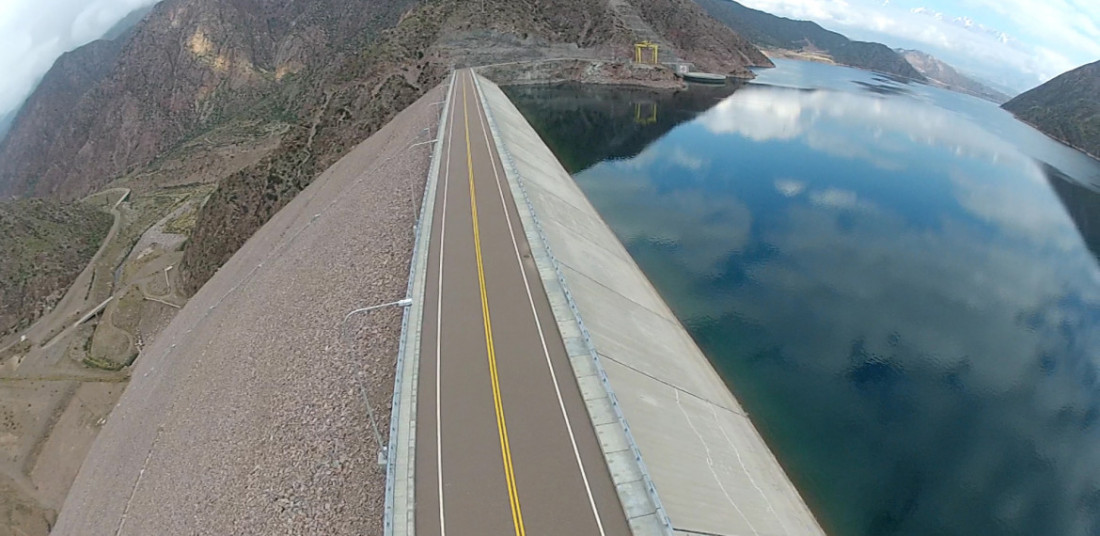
[402,352]
[651,489]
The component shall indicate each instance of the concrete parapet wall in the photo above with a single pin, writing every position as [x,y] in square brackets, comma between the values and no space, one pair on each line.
[684,455]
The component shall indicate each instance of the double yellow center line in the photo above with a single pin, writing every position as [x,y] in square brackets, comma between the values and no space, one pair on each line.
[502,426]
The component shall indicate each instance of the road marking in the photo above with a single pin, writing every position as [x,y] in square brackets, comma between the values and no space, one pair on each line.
[439,322]
[502,427]
[538,323]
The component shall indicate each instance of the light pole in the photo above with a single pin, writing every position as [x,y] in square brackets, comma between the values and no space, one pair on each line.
[359,374]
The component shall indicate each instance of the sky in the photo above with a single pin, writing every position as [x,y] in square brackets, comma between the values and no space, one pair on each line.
[33,33]
[1013,43]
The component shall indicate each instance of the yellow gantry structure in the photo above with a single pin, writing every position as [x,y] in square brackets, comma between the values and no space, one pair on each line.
[644,116]
[639,56]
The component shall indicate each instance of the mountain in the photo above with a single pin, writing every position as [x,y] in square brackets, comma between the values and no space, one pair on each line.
[250,100]
[769,31]
[193,64]
[409,59]
[187,66]
[5,123]
[73,68]
[46,244]
[129,21]
[320,75]
[1066,108]
[944,75]
[317,77]
[44,116]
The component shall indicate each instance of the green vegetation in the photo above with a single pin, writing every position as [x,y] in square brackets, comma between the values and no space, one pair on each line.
[1065,108]
[183,223]
[46,245]
[105,364]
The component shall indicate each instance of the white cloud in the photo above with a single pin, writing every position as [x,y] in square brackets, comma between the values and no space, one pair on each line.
[1035,39]
[789,187]
[764,114]
[34,33]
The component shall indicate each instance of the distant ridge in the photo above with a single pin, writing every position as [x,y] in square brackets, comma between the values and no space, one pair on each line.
[944,75]
[129,21]
[5,123]
[808,39]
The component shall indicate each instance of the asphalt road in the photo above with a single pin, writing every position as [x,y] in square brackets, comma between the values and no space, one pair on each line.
[504,444]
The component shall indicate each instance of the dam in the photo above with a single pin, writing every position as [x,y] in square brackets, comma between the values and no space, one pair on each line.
[681,454]
[540,382]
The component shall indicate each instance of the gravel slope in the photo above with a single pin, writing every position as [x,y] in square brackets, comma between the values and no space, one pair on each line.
[242,417]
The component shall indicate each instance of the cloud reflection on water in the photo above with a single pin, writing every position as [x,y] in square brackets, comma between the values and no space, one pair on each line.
[898,292]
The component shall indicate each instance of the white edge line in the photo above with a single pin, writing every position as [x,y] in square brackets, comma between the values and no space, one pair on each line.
[408,354]
[651,490]
[535,314]
[439,317]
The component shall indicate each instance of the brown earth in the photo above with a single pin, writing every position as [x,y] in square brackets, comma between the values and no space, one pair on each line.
[244,415]
[188,66]
[583,71]
[45,245]
[265,94]
[258,97]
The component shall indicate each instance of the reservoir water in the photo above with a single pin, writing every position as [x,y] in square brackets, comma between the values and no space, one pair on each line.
[899,283]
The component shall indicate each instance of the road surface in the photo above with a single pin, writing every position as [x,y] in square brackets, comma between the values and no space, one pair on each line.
[504,444]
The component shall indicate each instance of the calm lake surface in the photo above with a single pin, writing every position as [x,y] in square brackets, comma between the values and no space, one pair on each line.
[899,283]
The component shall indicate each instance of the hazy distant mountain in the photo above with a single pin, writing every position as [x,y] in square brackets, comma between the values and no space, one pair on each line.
[944,75]
[1066,108]
[91,53]
[127,22]
[769,31]
[5,123]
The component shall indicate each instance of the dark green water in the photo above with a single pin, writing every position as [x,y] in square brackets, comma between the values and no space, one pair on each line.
[899,283]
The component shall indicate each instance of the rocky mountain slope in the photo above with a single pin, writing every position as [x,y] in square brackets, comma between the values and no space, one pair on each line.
[188,66]
[944,75]
[324,74]
[252,99]
[1066,108]
[769,31]
[46,244]
[362,93]
[45,116]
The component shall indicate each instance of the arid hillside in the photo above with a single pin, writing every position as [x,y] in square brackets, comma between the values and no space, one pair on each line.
[211,115]
[45,244]
[188,66]
[314,77]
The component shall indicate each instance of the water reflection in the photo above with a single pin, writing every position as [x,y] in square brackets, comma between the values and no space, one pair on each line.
[608,123]
[905,302]
[1082,203]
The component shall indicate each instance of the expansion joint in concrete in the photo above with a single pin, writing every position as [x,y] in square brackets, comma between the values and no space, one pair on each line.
[670,386]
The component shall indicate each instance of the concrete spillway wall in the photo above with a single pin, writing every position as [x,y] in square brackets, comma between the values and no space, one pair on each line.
[684,455]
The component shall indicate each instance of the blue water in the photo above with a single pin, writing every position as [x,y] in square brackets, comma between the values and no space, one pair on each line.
[899,283]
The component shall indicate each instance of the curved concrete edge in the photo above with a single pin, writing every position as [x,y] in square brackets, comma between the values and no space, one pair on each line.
[715,474]
[633,484]
[400,506]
